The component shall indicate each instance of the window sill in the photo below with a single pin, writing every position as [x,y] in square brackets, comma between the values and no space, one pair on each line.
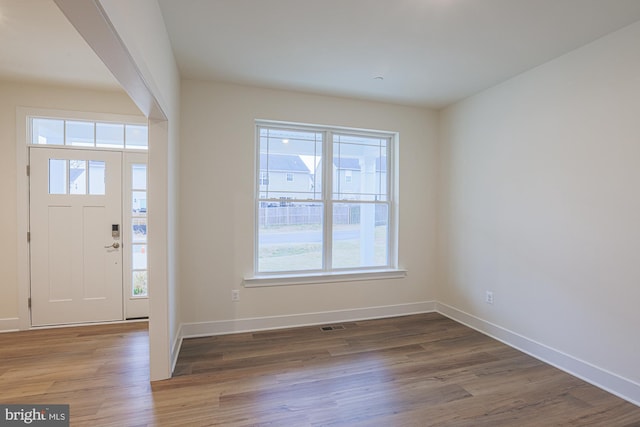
[303,279]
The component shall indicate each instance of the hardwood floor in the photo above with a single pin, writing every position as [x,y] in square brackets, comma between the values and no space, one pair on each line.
[422,370]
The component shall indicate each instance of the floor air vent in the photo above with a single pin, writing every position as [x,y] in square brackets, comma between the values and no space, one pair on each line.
[331,328]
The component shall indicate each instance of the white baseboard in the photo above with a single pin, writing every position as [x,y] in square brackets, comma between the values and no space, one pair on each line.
[191,330]
[11,324]
[175,349]
[615,384]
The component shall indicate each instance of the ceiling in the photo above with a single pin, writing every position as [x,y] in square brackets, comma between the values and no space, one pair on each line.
[38,44]
[416,52]
[429,52]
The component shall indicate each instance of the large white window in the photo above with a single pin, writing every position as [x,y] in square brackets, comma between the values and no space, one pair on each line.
[328,205]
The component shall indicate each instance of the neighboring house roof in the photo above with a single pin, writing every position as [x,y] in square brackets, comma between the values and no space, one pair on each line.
[346,163]
[282,163]
[293,163]
[74,173]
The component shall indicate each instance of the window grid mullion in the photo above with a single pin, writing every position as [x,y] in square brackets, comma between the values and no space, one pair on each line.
[392,249]
[256,205]
[268,167]
[328,200]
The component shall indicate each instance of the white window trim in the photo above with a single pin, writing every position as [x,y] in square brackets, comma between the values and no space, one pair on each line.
[329,275]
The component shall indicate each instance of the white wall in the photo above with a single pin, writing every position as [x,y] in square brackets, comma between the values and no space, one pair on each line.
[541,204]
[16,94]
[217,182]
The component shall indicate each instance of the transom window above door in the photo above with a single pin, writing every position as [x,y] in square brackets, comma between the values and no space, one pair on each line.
[88,134]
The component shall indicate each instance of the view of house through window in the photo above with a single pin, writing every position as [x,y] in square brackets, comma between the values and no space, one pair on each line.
[314,216]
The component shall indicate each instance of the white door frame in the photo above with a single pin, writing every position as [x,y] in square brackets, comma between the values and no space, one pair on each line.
[22,150]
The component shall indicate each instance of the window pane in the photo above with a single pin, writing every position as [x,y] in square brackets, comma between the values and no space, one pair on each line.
[139,280]
[77,177]
[139,203]
[110,135]
[359,168]
[360,235]
[139,230]
[290,237]
[47,131]
[96,177]
[290,164]
[80,134]
[137,137]
[57,176]
[139,258]
[139,177]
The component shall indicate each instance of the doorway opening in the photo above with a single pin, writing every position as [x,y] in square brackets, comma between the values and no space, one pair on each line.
[87,218]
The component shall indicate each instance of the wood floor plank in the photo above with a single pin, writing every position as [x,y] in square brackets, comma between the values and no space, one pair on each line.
[420,370]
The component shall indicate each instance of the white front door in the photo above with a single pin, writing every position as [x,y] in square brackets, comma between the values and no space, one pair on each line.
[75,224]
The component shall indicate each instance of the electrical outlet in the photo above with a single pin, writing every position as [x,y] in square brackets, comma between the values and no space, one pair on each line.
[488,297]
[235,295]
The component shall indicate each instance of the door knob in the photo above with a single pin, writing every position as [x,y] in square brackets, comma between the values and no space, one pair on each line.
[114,245]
